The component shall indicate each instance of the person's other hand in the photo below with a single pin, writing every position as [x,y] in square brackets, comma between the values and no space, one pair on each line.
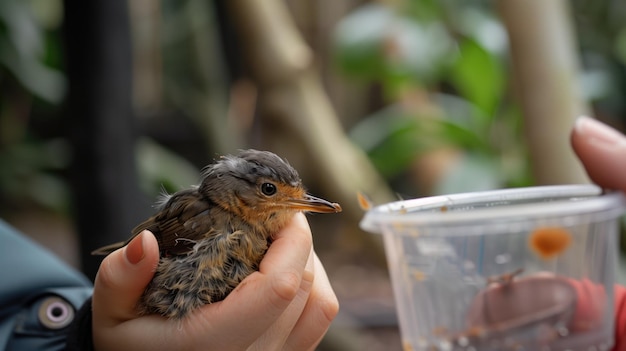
[602,150]
[287,305]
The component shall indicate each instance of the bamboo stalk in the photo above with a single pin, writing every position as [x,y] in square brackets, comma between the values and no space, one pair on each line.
[546,71]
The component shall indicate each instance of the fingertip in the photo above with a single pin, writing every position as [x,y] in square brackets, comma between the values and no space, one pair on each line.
[142,250]
[134,251]
[291,246]
[298,222]
[592,129]
[293,240]
[575,133]
[602,150]
[150,247]
[580,136]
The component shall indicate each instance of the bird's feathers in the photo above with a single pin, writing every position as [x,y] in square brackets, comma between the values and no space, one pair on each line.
[182,221]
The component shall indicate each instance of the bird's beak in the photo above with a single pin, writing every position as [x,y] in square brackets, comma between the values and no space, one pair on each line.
[314,204]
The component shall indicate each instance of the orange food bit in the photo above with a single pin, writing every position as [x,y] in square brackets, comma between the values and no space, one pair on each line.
[364,202]
[475,331]
[549,242]
[440,331]
[418,275]
[406,346]
[403,210]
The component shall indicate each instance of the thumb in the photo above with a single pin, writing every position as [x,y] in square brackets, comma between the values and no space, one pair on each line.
[122,278]
[602,151]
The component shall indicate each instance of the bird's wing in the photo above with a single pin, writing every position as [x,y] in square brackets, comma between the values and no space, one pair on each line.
[182,221]
[105,250]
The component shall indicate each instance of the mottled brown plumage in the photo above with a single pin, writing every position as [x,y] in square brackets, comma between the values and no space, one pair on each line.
[214,235]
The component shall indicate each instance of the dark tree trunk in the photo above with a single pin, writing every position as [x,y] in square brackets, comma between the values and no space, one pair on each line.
[100,124]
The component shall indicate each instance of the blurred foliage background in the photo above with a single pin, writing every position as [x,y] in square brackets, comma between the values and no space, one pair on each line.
[392,98]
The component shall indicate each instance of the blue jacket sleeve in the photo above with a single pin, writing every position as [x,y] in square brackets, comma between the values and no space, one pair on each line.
[40,296]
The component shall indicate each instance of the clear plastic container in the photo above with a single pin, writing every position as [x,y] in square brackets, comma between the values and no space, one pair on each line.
[515,269]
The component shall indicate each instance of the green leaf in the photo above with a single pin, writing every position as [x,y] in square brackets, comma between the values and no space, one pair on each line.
[479,77]
[22,52]
[620,45]
[483,27]
[423,49]
[374,42]
[424,10]
[358,39]
[461,136]
[372,130]
[393,137]
[398,151]
[21,28]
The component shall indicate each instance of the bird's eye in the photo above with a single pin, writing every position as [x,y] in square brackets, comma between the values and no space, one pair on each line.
[268,189]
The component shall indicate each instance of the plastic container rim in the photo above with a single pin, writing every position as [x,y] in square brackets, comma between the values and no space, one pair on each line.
[568,201]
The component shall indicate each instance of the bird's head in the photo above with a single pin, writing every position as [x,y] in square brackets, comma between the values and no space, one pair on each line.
[261,188]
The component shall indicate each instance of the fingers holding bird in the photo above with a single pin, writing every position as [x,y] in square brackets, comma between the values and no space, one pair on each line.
[276,335]
[119,284]
[320,310]
[267,304]
[314,305]
[266,295]
[288,304]
[122,278]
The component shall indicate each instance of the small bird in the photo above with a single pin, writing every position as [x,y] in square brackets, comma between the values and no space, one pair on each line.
[215,234]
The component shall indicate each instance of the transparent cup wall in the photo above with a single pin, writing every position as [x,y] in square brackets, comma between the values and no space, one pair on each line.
[436,280]
[513,284]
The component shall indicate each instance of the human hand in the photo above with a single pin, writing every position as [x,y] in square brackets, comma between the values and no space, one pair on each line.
[287,305]
[602,150]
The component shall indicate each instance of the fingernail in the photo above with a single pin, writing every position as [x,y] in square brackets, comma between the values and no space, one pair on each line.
[134,250]
[598,132]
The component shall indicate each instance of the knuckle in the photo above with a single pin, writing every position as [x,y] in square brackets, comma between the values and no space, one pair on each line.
[105,277]
[285,287]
